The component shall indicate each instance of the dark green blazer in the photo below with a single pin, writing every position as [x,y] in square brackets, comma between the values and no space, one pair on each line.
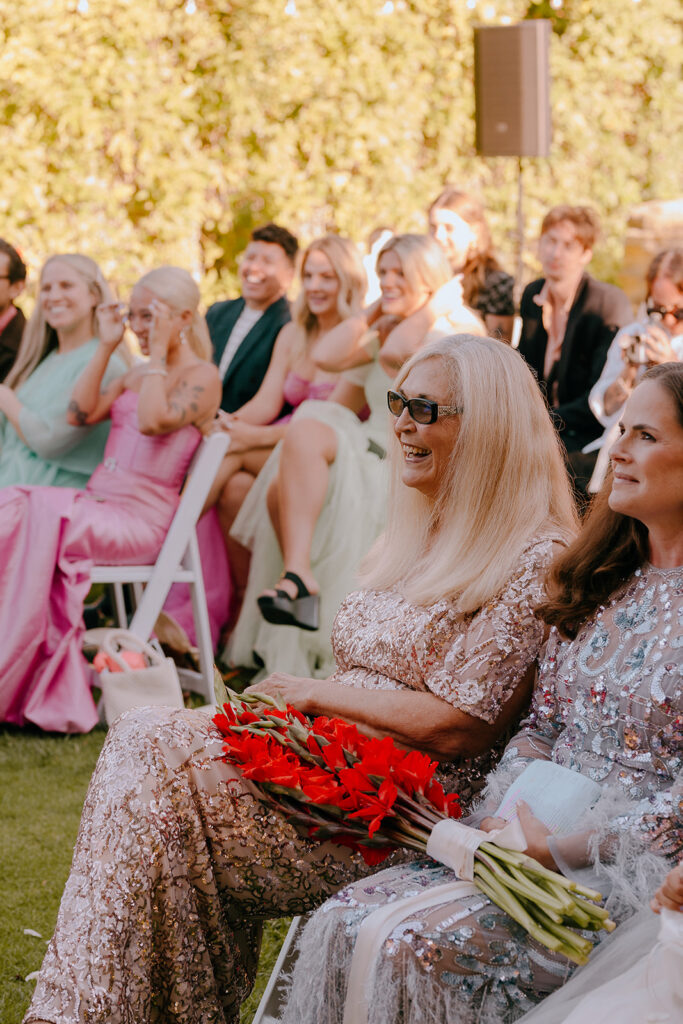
[248,367]
[10,339]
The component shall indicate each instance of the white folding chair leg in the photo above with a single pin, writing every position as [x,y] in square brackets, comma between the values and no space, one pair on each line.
[201,619]
[120,604]
[268,1009]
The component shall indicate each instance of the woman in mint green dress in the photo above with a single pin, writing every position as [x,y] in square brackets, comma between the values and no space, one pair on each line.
[37,445]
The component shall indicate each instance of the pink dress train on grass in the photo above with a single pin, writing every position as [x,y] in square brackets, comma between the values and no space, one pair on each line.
[49,539]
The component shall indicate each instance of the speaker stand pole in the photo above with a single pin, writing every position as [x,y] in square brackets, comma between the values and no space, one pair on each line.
[519,274]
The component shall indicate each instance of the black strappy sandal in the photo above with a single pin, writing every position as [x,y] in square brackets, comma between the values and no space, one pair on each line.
[282,610]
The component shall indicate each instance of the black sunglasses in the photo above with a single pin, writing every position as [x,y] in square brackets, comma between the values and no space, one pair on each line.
[419,409]
[659,312]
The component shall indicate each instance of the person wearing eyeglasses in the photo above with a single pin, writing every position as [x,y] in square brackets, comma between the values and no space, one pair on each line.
[656,337]
[50,537]
[178,863]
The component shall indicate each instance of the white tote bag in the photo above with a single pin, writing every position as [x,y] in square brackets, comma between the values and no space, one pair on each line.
[155,684]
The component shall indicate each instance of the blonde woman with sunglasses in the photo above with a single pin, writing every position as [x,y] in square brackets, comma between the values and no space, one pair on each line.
[177,863]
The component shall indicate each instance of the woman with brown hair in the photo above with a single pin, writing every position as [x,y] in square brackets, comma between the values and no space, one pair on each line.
[607,706]
[458,223]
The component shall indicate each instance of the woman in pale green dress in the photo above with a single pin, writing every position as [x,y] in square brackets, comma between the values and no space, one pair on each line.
[37,445]
[324,486]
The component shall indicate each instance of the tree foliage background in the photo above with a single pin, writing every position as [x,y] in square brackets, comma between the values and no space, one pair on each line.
[153,131]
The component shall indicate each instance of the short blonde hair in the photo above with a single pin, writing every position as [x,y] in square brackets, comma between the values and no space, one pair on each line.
[180,291]
[39,339]
[422,261]
[506,483]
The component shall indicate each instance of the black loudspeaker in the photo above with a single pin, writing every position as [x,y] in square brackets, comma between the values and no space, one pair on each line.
[512,89]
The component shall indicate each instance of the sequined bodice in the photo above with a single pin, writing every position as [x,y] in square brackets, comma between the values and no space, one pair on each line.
[473,661]
[612,697]
[161,458]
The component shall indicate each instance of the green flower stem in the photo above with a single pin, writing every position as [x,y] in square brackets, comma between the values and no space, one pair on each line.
[503,899]
[576,948]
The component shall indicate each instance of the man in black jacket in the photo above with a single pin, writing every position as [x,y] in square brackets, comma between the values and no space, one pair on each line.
[243,331]
[12,320]
[568,322]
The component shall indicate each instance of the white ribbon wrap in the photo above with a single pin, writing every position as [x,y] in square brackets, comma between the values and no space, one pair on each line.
[454,845]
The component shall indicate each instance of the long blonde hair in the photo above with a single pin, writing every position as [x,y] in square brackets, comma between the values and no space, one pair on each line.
[39,339]
[505,484]
[180,291]
[349,270]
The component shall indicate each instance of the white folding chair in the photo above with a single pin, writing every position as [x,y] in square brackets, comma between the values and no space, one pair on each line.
[270,1007]
[178,562]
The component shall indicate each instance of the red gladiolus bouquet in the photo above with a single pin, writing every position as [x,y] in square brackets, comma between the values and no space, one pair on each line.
[365,793]
[333,781]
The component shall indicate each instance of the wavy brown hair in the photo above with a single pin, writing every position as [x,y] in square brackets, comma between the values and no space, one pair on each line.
[610,546]
[481,259]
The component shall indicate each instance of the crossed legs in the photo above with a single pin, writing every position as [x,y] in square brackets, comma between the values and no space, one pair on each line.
[297,495]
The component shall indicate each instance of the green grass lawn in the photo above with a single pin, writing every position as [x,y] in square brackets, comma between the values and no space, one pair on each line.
[43,780]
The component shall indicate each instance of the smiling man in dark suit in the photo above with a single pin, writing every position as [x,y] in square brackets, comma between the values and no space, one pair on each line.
[568,322]
[243,331]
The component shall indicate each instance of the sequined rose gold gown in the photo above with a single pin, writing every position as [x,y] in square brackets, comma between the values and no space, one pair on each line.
[609,705]
[177,864]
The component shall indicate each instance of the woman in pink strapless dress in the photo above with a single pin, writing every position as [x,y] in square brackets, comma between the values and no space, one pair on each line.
[51,536]
[332,289]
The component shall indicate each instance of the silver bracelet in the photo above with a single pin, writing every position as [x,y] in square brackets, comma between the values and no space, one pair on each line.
[152,369]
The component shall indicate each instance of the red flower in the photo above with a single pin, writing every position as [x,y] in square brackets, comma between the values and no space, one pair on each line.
[372,855]
[414,772]
[320,787]
[337,730]
[448,805]
[376,808]
[334,757]
[279,770]
[295,713]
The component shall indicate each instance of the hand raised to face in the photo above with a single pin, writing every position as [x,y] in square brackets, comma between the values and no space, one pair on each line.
[110,319]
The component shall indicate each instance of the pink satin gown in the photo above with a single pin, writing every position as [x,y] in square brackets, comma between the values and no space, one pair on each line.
[49,539]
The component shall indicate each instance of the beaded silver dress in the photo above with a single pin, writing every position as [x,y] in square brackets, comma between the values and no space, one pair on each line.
[609,705]
[177,864]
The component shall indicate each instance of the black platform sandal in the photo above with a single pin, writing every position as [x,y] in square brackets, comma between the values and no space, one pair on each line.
[282,610]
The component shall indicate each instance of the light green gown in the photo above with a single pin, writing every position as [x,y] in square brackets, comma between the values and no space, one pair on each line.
[351,520]
[56,454]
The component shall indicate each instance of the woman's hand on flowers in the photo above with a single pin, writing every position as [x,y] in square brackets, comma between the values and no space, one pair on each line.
[536,834]
[670,892]
[111,324]
[292,689]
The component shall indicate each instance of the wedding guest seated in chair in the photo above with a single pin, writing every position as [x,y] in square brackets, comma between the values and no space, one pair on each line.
[607,708]
[325,485]
[37,443]
[177,863]
[50,536]
[332,288]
